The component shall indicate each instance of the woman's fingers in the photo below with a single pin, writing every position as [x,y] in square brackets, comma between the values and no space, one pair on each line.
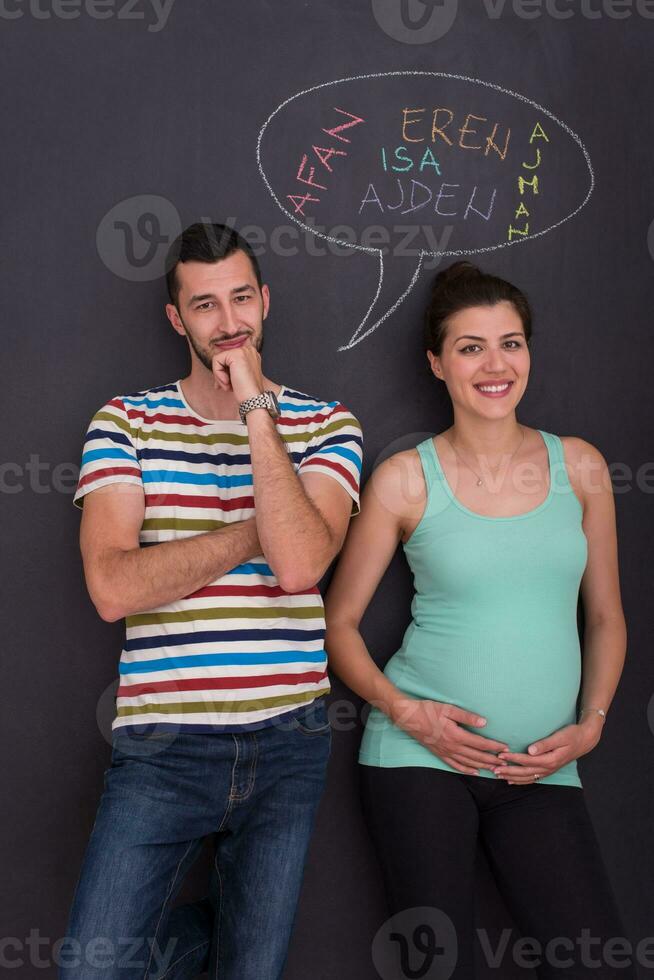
[470,758]
[484,759]
[467,757]
[480,742]
[459,717]
[519,774]
[451,761]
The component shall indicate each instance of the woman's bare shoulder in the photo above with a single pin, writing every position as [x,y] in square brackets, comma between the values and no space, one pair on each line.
[582,455]
[398,483]
[585,464]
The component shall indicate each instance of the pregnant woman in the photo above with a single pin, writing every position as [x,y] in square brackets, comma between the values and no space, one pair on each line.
[476,722]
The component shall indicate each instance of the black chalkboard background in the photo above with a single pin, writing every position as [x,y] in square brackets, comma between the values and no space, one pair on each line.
[111,119]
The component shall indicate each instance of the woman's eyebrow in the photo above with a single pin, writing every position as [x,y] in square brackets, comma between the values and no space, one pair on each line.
[469,336]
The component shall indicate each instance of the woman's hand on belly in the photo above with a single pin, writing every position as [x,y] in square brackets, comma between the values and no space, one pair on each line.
[549,754]
[437,726]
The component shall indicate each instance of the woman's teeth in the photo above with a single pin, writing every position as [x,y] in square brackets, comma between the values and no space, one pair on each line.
[494,389]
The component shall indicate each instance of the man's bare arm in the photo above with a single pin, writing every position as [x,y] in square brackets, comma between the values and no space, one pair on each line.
[122,578]
[298,541]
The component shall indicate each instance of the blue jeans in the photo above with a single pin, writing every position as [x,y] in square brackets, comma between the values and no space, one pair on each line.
[256,793]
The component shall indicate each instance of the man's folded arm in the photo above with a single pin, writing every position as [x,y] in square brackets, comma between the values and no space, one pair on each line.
[123,578]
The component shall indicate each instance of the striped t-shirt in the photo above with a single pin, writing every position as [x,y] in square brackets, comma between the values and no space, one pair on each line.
[241,650]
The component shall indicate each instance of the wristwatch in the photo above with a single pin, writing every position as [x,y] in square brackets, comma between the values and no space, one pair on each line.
[265,399]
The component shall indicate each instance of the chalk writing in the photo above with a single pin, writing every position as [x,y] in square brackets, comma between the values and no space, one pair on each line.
[443,154]
[528,186]
[306,172]
[441,207]
[467,132]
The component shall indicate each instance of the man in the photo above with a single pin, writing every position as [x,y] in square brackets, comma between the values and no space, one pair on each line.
[211,508]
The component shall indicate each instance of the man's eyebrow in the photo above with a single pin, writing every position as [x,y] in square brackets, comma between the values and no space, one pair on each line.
[200,297]
[469,336]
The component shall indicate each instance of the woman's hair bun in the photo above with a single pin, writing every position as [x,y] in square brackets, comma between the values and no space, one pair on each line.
[456,272]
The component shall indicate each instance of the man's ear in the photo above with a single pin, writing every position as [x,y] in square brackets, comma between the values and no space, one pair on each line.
[173,316]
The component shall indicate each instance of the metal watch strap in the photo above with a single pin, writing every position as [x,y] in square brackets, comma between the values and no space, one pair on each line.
[262,400]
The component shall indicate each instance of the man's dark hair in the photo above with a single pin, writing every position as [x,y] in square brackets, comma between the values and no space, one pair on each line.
[205,243]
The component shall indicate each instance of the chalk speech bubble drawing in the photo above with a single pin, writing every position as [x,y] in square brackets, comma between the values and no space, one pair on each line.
[454,165]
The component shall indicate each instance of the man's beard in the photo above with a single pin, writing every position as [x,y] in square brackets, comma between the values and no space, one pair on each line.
[205,355]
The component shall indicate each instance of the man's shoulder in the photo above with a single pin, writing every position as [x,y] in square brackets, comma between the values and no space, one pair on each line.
[145,400]
[156,392]
[303,399]
[129,410]
[295,400]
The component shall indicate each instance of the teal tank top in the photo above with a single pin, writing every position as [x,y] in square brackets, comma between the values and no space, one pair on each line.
[494,619]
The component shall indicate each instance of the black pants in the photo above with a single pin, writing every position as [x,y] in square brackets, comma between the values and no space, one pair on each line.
[541,847]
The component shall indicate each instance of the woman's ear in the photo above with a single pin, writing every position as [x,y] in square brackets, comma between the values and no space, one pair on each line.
[435,364]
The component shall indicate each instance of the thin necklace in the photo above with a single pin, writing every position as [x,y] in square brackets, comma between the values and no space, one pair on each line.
[493,469]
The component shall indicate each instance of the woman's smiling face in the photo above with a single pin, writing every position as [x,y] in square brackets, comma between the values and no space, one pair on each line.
[484,360]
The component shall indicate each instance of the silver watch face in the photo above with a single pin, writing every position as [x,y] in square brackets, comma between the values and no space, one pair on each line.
[266,399]
[275,404]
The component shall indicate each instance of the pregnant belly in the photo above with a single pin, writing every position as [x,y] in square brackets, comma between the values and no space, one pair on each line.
[524,694]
